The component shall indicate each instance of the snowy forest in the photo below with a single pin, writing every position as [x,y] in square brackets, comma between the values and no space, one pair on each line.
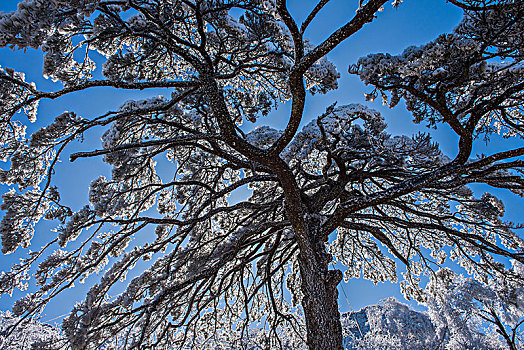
[224,208]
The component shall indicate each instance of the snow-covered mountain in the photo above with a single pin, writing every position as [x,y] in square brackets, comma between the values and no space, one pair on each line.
[388,324]
[393,325]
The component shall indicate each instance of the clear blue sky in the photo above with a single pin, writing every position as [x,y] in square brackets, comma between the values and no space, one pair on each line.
[415,22]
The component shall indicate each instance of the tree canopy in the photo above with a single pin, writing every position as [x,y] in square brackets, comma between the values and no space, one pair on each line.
[338,189]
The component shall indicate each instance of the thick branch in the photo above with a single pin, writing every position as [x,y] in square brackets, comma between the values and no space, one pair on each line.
[364,15]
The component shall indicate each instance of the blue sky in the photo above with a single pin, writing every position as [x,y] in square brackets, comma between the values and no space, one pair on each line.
[415,22]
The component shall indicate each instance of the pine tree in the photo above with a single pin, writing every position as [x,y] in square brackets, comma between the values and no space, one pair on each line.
[340,188]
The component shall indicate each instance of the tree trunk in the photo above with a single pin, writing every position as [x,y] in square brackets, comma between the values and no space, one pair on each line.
[320,303]
[318,284]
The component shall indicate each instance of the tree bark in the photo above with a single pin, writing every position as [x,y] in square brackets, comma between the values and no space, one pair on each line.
[320,300]
[318,283]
